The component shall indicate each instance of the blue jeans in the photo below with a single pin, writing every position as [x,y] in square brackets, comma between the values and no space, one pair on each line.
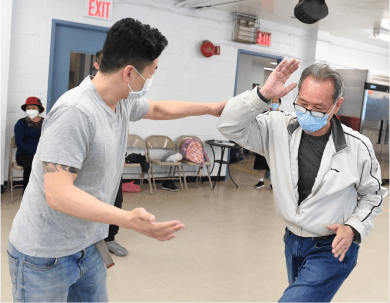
[314,274]
[80,277]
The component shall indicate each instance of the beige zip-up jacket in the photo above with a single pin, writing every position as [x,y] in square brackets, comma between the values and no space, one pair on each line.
[347,189]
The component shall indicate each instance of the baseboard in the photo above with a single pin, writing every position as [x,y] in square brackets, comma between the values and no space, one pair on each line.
[5,186]
[189,179]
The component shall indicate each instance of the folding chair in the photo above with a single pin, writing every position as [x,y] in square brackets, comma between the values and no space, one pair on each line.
[179,143]
[134,141]
[13,166]
[164,142]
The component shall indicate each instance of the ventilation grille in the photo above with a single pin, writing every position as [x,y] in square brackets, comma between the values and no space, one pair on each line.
[378,78]
[245,28]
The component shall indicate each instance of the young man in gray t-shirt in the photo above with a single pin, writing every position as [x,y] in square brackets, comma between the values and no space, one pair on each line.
[77,168]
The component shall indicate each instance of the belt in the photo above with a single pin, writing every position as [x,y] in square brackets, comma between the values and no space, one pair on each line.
[322,238]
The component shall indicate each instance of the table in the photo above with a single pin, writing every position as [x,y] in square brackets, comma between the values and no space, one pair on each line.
[223,145]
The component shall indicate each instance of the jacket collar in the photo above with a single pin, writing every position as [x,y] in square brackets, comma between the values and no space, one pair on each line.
[337,133]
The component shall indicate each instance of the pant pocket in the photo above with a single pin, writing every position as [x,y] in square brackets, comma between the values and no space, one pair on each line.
[353,253]
[13,271]
[285,235]
[40,263]
[323,245]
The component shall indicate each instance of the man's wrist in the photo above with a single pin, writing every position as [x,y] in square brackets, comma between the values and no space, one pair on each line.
[356,234]
[125,219]
[350,228]
[263,94]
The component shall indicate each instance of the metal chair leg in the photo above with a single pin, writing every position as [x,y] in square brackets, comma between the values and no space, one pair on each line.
[178,172]
[150,183]
[170,171]
[184,177]
[208,172]
[174,171]
[154,182]
[198,175]
[12,191]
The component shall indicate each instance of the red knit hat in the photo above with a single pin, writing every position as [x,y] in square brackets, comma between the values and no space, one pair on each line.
[33,101]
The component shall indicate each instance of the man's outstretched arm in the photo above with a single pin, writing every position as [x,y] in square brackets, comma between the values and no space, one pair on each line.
[63,196]
[168,110]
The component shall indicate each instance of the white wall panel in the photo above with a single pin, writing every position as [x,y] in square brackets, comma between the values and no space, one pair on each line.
[183,73]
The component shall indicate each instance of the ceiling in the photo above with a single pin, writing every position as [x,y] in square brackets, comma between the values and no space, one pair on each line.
[349,19]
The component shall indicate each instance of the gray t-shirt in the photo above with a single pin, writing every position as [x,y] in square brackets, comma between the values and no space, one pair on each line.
[80,131]
[310,153]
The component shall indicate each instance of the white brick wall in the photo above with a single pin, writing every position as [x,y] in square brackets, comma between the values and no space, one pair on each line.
[183,74]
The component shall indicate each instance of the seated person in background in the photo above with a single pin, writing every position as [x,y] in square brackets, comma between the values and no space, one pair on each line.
[260,162]
[27,133]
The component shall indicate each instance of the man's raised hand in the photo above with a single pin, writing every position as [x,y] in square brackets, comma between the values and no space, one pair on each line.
[274,86]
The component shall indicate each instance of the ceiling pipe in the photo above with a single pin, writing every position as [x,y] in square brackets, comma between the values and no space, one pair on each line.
[188,2]
[203,3]
[217,5]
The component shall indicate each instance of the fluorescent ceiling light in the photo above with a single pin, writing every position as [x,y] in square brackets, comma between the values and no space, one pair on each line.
[273,63]
[266,68]
[381,33]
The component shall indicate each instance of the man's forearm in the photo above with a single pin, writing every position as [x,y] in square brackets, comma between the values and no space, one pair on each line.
[168,110]
[77,203]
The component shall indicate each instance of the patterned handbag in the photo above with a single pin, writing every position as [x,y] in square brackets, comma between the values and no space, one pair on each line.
[192,151]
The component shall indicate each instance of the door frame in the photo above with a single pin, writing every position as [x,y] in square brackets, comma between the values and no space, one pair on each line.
[55,24]
[247,52]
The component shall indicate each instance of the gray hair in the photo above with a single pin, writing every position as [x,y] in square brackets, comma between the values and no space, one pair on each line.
[321,71]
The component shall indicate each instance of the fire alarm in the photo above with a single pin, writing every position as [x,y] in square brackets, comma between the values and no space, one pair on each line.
[208,49]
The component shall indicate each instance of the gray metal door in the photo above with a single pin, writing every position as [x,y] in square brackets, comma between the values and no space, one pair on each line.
[375,125]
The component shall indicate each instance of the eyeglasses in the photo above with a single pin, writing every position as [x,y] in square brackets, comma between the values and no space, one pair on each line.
[314,113]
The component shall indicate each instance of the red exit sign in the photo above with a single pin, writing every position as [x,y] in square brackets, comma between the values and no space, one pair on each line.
[263,38]
[98,9]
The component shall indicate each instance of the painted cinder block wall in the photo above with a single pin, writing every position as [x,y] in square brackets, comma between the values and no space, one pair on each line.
[183,74]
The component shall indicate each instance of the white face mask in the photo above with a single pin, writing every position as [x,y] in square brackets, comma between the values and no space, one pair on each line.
[32,113]
[143,91]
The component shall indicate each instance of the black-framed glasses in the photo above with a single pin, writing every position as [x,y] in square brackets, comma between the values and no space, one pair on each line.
[302,109]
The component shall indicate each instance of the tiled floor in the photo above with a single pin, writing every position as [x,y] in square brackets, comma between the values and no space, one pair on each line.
[231,249]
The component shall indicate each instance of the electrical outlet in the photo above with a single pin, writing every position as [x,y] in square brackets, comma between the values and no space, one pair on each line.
[39,95]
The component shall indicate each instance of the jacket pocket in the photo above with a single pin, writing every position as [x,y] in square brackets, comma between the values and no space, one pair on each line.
[13,271]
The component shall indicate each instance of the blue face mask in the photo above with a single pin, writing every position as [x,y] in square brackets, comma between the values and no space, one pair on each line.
[275,106]
[311,124]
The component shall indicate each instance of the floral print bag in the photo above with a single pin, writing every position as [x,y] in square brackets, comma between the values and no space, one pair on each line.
[192,151]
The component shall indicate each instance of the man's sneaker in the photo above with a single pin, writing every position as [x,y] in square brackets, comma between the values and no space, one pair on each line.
[169,185]
[116,249]
[260,184]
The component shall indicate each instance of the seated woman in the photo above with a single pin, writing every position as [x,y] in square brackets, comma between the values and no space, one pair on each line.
[27,133]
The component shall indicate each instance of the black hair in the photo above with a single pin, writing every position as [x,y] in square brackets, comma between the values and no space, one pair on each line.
[99,55]
[129,42]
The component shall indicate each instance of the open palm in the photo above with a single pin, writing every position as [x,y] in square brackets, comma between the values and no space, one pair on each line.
[274,87]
